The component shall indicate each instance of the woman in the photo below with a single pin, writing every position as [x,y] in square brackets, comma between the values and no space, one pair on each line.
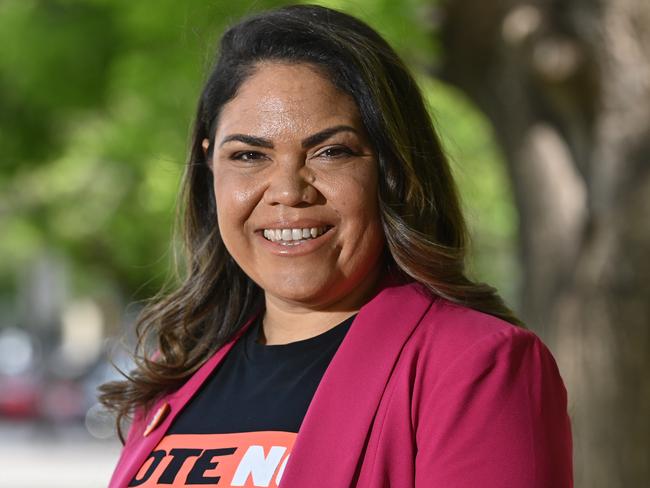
[326,294]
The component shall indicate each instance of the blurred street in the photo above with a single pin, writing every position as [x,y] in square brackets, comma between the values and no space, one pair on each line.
[37,456]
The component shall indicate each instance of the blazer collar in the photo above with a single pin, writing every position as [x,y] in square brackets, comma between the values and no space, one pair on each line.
[138,445]
[335,430]
[343,407]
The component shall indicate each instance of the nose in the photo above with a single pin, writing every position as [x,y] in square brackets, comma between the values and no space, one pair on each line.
[291,185]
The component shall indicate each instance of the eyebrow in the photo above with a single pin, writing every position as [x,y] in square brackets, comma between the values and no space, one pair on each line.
[251,140]
[309,141]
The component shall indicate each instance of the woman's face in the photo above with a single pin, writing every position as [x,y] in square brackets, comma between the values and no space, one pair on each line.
[295,181]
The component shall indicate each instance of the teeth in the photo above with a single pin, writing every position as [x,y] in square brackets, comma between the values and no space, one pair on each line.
[287,235]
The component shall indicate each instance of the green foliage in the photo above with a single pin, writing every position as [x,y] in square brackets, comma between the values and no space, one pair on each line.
[485,190]
[404,23]
[96,101]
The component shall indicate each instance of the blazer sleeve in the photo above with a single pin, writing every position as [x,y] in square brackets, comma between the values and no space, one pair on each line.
[496,418]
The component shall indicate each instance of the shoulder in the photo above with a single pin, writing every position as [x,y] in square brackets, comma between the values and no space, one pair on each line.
[452,327]
[453,342]
[411,315]
[489,391]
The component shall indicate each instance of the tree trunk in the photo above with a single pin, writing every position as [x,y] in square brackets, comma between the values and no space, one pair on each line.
[566,85]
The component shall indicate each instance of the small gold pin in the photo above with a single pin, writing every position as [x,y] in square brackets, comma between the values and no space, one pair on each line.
[155,421]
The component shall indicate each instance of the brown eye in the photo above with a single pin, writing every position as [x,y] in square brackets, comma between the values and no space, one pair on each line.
[336,152]
[247,156]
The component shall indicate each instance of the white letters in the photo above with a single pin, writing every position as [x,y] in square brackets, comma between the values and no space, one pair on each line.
[259,467]
[281,470]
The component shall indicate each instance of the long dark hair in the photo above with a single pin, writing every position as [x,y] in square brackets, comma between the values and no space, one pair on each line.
[426,234]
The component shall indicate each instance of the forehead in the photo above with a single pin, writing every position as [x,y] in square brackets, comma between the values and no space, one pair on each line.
[280,98]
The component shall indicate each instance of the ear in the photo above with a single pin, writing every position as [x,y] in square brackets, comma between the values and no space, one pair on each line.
[205,144]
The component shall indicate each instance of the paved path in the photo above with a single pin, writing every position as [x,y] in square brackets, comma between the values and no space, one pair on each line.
[57,458]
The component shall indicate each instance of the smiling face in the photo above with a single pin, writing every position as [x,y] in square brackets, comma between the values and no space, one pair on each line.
[295,181]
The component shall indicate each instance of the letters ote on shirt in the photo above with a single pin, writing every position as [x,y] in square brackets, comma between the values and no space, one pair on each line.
[193,460]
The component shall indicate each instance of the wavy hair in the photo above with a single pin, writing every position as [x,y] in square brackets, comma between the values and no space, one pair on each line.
[426,234]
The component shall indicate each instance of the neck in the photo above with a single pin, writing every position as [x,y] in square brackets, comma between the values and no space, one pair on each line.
[286,322]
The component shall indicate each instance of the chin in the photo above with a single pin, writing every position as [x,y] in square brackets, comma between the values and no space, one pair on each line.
[306,291]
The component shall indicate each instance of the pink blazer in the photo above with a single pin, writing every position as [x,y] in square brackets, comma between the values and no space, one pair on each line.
[421,393]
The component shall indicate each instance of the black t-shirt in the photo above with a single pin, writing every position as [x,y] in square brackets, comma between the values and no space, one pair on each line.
[239,428]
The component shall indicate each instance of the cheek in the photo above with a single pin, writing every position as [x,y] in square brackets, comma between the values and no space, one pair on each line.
[354,198]
[357,197]
[235,200]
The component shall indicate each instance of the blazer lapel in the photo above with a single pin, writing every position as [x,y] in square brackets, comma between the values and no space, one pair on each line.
[138,446]
[334,432]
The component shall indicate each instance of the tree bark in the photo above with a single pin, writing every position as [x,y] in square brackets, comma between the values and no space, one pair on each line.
[566,85]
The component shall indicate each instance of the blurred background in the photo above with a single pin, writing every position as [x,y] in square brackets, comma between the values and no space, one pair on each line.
[544,110]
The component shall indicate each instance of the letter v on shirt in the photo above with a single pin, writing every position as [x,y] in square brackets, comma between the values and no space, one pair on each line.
[247,459]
